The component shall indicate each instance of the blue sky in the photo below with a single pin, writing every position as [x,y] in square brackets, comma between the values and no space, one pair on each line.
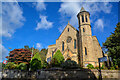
[41,23]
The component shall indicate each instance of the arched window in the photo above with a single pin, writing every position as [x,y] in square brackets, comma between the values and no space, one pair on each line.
[68,29]
[52,53]
[83,29]
[82,18]
[62,46]
[79,21]
[49,59]
[85,51]
[74,44]
[86,18]
[69,39]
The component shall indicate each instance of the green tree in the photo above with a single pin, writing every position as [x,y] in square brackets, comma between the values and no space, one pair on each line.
[57,59]
[44,64]
[22,66]
[34,50]
[90,66]
[43,53]
[113,45]
[35,64]
[26,47]
[11,65]
[37,56]
[2,65]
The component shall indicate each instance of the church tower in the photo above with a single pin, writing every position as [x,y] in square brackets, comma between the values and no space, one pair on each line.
[84,22]
[79,46]
[85,37]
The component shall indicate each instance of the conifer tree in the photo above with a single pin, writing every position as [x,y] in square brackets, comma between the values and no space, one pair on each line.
[113,45]
[57,59]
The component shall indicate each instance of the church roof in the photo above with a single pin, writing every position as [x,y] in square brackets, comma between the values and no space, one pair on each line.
[70,26]
[82,9]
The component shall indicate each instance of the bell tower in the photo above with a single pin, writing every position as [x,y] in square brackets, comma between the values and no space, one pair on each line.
[84,34]
[84,22]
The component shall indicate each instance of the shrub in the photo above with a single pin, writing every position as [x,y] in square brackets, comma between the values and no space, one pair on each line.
[116,67]
[90,66]
[22,66]
[35,64]
[44,64]
[37,56]
[104,67]
[96,67]
[57,59]
[54,63]
[16,66]
[48,66]
[10,65]
[69,64]
[2,65]
[112,68]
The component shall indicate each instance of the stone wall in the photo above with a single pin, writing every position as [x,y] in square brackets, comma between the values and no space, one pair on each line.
[0,75]
[61,74]
[108,73]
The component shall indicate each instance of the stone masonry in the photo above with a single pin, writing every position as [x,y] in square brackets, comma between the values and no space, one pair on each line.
[79,45]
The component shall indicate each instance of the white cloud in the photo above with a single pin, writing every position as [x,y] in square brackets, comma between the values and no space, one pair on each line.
[4,52]
[40,5]
[12,18]
[61,28]
[38,46]
[44,23]
[99,24]
[71,9]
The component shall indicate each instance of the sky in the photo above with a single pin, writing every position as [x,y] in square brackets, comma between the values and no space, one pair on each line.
[41,23]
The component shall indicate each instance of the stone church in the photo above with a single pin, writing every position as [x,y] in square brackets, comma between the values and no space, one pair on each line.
[78,45]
